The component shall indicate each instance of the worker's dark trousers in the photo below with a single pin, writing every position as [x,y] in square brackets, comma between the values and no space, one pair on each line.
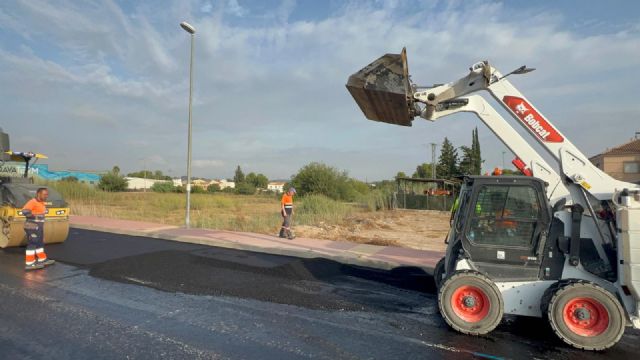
[35,235]
[286,223]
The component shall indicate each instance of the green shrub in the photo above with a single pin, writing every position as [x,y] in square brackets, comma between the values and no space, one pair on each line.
[163,187]
[318,178]
[112,182]
[245,188]
[197,190]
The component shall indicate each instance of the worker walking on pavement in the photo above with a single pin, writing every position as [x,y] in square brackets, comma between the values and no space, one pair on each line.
[34,210]
[286,210]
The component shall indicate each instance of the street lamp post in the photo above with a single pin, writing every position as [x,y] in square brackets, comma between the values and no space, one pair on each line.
[191,30]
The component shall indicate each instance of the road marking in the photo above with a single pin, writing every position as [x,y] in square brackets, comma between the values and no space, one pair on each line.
[138,281]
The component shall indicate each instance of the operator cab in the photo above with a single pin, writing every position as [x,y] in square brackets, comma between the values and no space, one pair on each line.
[500,225]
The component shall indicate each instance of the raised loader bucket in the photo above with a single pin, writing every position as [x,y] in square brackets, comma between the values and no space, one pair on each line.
[382,90]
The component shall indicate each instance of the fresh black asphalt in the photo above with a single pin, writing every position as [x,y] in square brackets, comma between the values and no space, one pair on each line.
[115,296]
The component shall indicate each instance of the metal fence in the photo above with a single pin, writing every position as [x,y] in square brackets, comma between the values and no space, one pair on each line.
[425,194]
[404,200]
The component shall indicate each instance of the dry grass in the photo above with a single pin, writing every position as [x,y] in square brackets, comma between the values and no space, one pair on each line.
[316,216]
[256,213]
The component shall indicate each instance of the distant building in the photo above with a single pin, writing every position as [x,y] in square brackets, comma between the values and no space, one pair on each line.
[16,169]
[277,186]
[621,162]
[140,184]
[177,181]
[201,183]
[223,184]
[205,183]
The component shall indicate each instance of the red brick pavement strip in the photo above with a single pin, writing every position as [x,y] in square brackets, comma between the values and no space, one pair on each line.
[383,257]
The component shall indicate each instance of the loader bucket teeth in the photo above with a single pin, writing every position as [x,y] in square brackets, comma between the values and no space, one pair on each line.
[382,90]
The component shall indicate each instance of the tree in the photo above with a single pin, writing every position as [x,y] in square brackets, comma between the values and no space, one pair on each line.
[448,161]
[213,188]
[163,187]
[238,178]
[319,178]
[147,174]
[257,180]
[467,163]
[471,162]
[112,181]
[423,171]
[475,150]
[401,174]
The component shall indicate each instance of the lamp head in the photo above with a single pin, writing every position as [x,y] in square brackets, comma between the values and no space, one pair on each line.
[188,27]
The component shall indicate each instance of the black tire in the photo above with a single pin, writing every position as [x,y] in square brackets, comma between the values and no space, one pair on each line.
[586,316]
[438,273]
[470,303]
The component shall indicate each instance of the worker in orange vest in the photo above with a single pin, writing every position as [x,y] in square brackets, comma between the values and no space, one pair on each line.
[34,210]
[286,210]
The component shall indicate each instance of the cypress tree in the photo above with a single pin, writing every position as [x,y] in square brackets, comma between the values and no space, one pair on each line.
[448,162]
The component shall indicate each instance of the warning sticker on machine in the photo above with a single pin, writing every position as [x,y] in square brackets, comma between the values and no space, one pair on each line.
[532,119]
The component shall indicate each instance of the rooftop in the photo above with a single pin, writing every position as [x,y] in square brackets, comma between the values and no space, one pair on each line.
[632,147]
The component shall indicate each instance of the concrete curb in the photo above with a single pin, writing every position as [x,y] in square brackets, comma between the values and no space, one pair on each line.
[351,259]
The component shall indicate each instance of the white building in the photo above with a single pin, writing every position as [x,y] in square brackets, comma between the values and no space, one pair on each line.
[223,184]
[177,181]
[277,186]
[139,184]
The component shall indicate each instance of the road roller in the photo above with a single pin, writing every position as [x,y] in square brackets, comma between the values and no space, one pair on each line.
[16,188]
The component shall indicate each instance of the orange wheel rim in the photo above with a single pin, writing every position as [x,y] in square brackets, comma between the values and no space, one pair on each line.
[586,316]
[470,303]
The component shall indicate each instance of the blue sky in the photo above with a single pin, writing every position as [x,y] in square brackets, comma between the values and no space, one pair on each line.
[95,84]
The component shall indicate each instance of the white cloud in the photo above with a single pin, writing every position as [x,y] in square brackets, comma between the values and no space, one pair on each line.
[206,7]
[234,8]
[207,163]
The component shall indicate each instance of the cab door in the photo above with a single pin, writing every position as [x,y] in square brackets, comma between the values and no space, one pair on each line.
[506,221]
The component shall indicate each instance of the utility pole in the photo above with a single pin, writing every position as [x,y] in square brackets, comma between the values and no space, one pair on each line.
[191,30]
[433,160]
[144,171]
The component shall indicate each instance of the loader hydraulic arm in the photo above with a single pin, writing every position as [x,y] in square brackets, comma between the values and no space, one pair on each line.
[572,163]
[501,128]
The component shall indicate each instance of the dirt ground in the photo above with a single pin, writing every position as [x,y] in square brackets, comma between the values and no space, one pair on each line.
[417,229]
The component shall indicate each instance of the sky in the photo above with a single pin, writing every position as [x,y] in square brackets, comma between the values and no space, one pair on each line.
[93,84]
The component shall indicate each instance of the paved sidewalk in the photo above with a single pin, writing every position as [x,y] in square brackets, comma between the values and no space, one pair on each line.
[381,257]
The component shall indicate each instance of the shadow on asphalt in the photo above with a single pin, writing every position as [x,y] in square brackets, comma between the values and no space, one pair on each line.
[312,283]
[203,270]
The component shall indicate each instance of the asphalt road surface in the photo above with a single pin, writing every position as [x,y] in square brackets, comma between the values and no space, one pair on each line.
[116,297]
